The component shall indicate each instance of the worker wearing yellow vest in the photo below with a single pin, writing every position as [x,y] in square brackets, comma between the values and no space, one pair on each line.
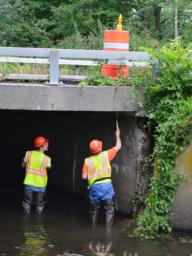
[97,170]
[36,163]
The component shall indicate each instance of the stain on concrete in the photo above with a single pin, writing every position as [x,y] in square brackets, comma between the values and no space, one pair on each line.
[182,207]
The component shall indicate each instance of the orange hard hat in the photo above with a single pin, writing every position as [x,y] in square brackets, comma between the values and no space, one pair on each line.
[95,146]
[40,141]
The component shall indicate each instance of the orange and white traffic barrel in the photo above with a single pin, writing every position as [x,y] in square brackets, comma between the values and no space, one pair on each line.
[115,40]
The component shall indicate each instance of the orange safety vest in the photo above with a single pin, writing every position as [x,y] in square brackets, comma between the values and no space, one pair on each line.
[99,169]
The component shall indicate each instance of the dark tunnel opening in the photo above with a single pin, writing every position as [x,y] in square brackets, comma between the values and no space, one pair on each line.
[69,134]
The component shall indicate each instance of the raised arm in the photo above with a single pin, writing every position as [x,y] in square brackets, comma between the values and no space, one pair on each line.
[118,140]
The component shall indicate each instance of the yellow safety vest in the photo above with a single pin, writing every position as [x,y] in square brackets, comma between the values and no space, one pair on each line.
[36,168]
[99,169]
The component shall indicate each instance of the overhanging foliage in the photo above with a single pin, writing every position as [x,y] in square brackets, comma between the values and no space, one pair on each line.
[169,104]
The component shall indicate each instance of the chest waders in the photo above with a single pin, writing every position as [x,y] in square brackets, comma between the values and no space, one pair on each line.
[99,172]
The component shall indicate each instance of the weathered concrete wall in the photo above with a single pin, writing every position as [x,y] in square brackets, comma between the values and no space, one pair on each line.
[67,98]
[182,208]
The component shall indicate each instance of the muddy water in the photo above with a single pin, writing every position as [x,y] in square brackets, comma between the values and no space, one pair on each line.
[64,229]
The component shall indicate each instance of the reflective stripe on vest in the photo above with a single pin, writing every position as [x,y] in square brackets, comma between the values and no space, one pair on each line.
[39,172]
[103,174]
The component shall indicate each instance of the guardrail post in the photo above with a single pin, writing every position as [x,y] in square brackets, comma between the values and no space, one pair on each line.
[54,67]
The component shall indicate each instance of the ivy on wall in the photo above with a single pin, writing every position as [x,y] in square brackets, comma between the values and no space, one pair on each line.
[168,101]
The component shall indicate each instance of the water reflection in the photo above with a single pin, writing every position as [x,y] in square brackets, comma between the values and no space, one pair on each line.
[64,230]
[105,249]
[36,240]
[100,249]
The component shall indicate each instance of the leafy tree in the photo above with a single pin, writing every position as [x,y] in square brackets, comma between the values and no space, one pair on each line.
[46,23]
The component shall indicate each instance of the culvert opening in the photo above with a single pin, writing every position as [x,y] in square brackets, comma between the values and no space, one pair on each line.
[69,134]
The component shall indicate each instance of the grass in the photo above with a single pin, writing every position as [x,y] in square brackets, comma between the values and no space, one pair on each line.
[17,68]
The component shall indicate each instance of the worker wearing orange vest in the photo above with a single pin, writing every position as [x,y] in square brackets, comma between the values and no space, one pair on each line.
[36,163]
[97,170]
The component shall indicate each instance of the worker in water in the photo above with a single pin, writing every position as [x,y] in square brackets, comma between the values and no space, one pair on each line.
[97,170]
[36,163]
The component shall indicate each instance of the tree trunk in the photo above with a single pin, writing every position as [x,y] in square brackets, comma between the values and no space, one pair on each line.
[176,20]
[157,14]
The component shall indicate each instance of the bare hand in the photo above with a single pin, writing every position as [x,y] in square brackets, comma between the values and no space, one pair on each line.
[117,133]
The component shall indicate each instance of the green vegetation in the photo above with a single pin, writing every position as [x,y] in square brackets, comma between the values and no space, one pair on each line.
[137,78]
[25,68]
[80,23]
[169,104]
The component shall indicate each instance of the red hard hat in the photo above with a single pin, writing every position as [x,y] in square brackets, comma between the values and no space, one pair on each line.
[40,141]
[95,146]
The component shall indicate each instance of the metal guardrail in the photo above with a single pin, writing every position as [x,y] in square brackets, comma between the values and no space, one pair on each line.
[55,57]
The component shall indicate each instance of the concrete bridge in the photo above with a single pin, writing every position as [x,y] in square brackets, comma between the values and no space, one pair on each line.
[70,116]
